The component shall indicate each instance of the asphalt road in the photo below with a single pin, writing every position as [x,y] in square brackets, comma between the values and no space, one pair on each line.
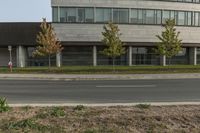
[122,91]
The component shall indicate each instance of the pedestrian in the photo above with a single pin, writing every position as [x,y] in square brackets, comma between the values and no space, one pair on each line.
[10,65]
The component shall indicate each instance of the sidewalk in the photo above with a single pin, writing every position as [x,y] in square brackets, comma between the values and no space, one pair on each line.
[98,76]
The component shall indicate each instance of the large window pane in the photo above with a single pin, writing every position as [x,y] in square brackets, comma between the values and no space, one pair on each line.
[55,14]
[166,15]
[63,14]
[158,17]
[71,15]
[103,15]
[181,18]
[150,17]
[123,16]
[189,18]
[68,15]
[120,15]
[196,21]
[140,16]
[81,15]
[134,16]
[89,15]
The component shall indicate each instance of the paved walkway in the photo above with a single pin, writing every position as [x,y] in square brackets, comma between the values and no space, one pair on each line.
[98,76]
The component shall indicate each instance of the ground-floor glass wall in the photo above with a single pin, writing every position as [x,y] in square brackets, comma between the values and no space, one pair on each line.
[84,55]
[182,58]
[198,55]
[38,60]
[77,55]
[104,60]
[144,56]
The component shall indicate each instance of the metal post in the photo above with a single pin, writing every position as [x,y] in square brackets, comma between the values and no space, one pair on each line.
[10,52]
[130,56]
[10,62]
[94,55]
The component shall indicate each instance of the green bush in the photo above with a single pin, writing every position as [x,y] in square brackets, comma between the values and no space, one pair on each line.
[26,125]
[79,108]
[3,105]
[143,106]
[58,112]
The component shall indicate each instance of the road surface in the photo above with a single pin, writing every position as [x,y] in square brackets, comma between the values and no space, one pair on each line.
[94,91]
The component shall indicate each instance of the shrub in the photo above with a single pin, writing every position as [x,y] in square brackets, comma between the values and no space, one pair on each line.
[79,108]
[58,112]
[143,106]
[26,124]
[3,105]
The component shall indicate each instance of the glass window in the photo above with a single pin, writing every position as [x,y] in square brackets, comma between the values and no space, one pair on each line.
[134,16]
[120,16]
[81,15]
[196,21]
[55,14]
[181,18]
[166,15]
[158,17]
[172,15]
[103,15]
[150,17]
[63,14]
[189,18]
[140,16]
[71,15]
[68,15]
[89,14]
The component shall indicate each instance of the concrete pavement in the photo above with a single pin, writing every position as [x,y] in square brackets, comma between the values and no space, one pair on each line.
[98,76]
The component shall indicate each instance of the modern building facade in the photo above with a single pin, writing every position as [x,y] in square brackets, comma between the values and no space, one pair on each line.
[79,23]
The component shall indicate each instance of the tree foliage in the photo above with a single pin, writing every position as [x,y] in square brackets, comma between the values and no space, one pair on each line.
[111,38]
[169,44]
[48,43]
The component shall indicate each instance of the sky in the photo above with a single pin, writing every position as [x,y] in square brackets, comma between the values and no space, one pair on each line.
[25,10]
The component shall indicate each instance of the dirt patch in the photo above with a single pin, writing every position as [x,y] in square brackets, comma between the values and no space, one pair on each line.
[154,119]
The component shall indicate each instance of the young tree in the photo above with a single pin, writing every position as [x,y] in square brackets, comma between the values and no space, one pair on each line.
[48,43]
[169,44]
[111,38]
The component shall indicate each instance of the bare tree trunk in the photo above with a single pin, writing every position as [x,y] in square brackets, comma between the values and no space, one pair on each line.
[113,64]
[169,63]
[49,61]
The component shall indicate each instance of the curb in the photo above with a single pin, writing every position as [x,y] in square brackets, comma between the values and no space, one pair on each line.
[71,77]
[107,104]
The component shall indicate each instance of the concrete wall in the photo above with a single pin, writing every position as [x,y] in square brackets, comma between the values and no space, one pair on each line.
[128,4]
[130,33]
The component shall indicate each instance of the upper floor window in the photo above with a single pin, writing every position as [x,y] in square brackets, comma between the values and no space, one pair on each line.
[124,16]
[76,14]
[120,15]
[103,15]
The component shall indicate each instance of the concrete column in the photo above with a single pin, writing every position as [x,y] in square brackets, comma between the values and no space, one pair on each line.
[193,56]
[58,59]
[130,59]
[21,56]
[163,60]
[94,55]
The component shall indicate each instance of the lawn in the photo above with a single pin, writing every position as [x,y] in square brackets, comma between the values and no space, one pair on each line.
[80,119]
[108,69]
